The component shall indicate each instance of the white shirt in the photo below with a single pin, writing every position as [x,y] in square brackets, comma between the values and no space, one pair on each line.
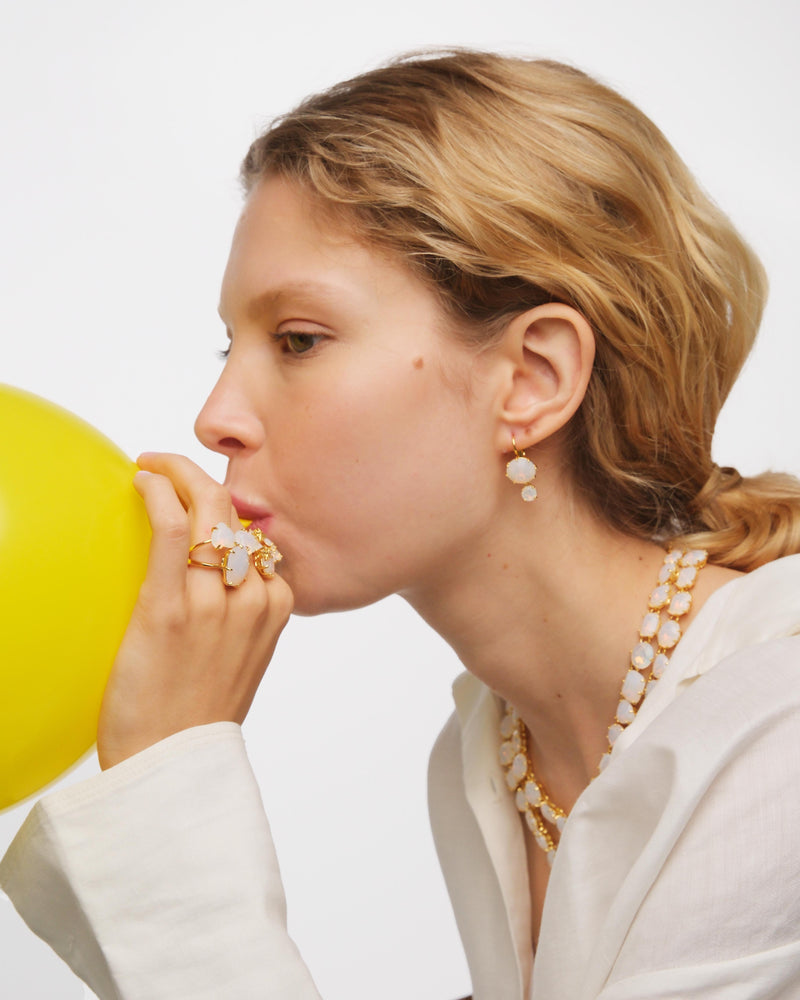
[678,873]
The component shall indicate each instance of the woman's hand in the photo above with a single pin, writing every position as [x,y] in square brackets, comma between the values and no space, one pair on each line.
[195,650]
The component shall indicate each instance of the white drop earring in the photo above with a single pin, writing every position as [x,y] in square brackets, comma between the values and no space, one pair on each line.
[522,471]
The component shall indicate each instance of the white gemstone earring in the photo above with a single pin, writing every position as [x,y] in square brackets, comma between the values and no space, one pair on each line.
[522,471]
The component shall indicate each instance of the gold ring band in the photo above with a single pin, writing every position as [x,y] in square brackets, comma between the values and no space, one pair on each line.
[205,565]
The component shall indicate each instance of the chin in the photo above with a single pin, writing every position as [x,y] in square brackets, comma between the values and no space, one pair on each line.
[318,604]
[321,600]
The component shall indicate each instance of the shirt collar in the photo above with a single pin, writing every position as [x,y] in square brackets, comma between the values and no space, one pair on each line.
[479,712]
[753,608]
[756,607]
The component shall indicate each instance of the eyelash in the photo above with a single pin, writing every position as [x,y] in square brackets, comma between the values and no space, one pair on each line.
[280,339]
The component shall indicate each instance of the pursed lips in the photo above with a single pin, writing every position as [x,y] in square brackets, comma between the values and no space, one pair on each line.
[256,514]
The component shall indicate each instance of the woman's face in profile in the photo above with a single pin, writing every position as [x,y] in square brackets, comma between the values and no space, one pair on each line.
[359,432]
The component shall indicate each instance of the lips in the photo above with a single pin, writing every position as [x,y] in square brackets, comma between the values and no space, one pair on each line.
[256,514]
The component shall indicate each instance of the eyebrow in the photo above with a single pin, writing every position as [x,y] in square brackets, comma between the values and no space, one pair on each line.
[299,291]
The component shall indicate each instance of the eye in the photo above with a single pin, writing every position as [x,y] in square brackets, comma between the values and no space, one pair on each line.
[294,342]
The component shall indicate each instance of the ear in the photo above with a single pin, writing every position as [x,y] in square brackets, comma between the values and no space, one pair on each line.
[546,356]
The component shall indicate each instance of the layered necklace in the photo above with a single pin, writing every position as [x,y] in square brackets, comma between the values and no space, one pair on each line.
[659,634]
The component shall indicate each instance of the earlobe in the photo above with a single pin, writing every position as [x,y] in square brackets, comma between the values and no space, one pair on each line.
[548,353]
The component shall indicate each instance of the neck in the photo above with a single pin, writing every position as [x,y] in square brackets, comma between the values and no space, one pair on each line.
[546,614]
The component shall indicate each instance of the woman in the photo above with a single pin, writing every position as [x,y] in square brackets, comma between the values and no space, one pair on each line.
[481,324]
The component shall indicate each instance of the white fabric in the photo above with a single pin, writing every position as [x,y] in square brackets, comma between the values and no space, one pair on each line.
[678,874]
[157,879]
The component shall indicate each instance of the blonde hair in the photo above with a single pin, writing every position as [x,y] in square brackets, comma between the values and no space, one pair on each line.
[506,183]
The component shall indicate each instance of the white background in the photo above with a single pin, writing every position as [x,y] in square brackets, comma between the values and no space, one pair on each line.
[122,128]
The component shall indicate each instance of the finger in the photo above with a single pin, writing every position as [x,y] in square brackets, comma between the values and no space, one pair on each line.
[262,612]
[207,501]
[170,524]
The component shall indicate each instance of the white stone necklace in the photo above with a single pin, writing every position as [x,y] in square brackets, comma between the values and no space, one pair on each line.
[658,637]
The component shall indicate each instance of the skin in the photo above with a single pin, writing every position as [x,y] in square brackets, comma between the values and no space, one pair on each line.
[370,444]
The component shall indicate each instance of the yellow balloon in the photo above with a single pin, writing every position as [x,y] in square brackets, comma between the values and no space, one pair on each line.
[74,539]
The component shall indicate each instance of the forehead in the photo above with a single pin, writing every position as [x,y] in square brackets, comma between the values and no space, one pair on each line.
[281,220]
[287,245]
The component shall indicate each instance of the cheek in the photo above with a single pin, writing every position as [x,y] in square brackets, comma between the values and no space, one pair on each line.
[374,450]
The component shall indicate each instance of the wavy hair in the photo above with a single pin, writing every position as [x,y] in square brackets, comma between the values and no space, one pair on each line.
[506,183]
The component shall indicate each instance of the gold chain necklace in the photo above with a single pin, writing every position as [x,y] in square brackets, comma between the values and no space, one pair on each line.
[658,637]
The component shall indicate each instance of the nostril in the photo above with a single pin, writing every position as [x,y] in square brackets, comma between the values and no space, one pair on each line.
[230,443]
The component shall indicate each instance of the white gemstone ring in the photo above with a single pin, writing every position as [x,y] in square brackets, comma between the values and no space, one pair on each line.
[239,547]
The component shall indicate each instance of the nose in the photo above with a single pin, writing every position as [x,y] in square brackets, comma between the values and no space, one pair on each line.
[227,423]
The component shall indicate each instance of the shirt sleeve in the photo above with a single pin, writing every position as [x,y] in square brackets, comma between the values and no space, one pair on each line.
[158,880]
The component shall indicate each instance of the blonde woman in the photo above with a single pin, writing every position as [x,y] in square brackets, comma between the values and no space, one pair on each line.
[481,322]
